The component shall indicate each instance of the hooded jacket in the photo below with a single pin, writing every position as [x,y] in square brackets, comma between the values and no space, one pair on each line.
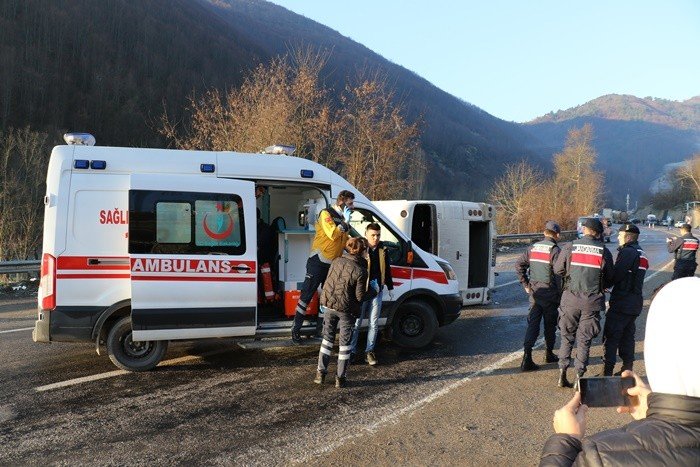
[670,434]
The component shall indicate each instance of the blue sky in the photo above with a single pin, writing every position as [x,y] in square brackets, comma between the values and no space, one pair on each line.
[520,59]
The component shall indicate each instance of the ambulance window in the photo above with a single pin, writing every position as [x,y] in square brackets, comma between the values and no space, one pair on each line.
[167,222]
[173,223]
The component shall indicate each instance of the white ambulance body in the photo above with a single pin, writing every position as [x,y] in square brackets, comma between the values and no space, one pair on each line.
[142,246]
[461,232]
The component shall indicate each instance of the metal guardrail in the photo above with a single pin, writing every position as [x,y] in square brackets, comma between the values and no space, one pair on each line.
[14,267]
[530,236]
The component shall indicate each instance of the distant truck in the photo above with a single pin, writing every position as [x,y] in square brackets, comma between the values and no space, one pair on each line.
[651,220]
[461,232]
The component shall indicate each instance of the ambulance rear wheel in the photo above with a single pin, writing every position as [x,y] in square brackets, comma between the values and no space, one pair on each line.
[131,355]
[414,325]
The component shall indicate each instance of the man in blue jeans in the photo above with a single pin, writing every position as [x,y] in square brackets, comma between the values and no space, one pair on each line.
[379,275]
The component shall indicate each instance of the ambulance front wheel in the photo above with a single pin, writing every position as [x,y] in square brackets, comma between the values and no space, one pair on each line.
[129,355]
[414,325]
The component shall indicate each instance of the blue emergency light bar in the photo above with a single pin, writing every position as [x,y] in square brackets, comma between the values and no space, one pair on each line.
[306,173]
[81,164]
[98,165]
[207,168]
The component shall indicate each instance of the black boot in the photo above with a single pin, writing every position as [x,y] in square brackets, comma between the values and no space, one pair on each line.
[608,369]
[563,381]
[550,357]
[340,381]
[625,366]
[527,363]
[296,328]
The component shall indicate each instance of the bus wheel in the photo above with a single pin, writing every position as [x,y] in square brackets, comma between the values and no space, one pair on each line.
[414,325]
[129,355]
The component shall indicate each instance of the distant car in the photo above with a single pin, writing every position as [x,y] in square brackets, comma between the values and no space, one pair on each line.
[634,220]
[678,224]
[664,223]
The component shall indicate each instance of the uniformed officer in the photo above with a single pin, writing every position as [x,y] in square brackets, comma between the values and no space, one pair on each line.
[535,271]
[587,269]
[625,300]
[332,229]
[685,249]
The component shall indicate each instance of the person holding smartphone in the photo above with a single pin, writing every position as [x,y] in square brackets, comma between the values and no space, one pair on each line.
[666,430]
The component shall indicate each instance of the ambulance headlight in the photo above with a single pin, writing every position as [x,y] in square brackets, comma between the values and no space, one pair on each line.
[80,139]
[449,272]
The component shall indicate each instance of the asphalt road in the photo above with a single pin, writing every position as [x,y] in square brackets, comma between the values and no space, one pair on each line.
[461,401]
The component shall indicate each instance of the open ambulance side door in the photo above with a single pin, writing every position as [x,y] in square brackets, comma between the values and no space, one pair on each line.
[193,251]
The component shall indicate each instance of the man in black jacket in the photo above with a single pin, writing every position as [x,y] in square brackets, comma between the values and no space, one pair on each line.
[587,268]
[685,250]
[626,300]
[344,290]
[536,273]
[667,427]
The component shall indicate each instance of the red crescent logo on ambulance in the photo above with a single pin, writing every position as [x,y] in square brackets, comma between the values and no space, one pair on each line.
[214,235]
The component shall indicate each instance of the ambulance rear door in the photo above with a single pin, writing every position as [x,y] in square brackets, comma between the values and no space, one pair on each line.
[193,251]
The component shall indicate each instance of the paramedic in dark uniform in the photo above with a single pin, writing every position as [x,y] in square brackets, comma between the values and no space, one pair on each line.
[332,229]
[625,300]
[536,274]
[586,267]
[685,249]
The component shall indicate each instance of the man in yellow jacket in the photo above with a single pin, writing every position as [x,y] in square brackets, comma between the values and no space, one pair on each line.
[332,229]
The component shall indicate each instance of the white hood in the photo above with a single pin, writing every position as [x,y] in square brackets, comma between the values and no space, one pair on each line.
[672,341]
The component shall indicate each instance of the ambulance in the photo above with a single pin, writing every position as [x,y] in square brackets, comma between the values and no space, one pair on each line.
[145,246]
[462,232]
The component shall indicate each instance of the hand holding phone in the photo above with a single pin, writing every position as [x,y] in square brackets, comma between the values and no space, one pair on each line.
[606,391]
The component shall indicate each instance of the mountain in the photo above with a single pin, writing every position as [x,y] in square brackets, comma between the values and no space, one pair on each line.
[634,138]
[112,67]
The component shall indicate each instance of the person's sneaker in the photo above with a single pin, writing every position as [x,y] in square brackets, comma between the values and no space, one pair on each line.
[320,377]
[296,336]
[371,358]
[340,382]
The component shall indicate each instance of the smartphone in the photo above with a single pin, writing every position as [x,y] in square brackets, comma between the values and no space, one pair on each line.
[605,391]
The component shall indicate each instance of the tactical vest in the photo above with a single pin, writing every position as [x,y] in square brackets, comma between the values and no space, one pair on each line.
[689,249]
[540,261]
[585,266]
[635,278]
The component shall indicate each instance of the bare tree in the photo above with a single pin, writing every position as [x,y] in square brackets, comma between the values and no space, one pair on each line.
[23,157]
[513,196]
[690,173]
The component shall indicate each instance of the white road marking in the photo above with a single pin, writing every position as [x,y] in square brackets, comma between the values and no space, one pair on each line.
[17,330]
[503,285]
[111,374]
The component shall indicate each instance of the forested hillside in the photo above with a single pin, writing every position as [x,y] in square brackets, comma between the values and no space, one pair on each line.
[111,67]
[634,138]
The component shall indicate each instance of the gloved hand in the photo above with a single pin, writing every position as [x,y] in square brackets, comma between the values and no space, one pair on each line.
[374,284]
[346,213]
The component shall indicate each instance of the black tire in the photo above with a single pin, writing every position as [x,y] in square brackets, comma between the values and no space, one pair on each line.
[414,325]
[131,356]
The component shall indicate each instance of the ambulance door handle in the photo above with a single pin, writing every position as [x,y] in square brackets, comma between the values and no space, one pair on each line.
[458,255]
[242,268]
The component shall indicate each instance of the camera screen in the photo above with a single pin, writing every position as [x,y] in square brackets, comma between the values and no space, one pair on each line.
[605,391]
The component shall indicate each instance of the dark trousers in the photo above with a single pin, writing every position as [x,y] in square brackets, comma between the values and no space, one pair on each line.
[539,310]
[581,326]
[331,320]
[316,273]
[618,335]
[683,269]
